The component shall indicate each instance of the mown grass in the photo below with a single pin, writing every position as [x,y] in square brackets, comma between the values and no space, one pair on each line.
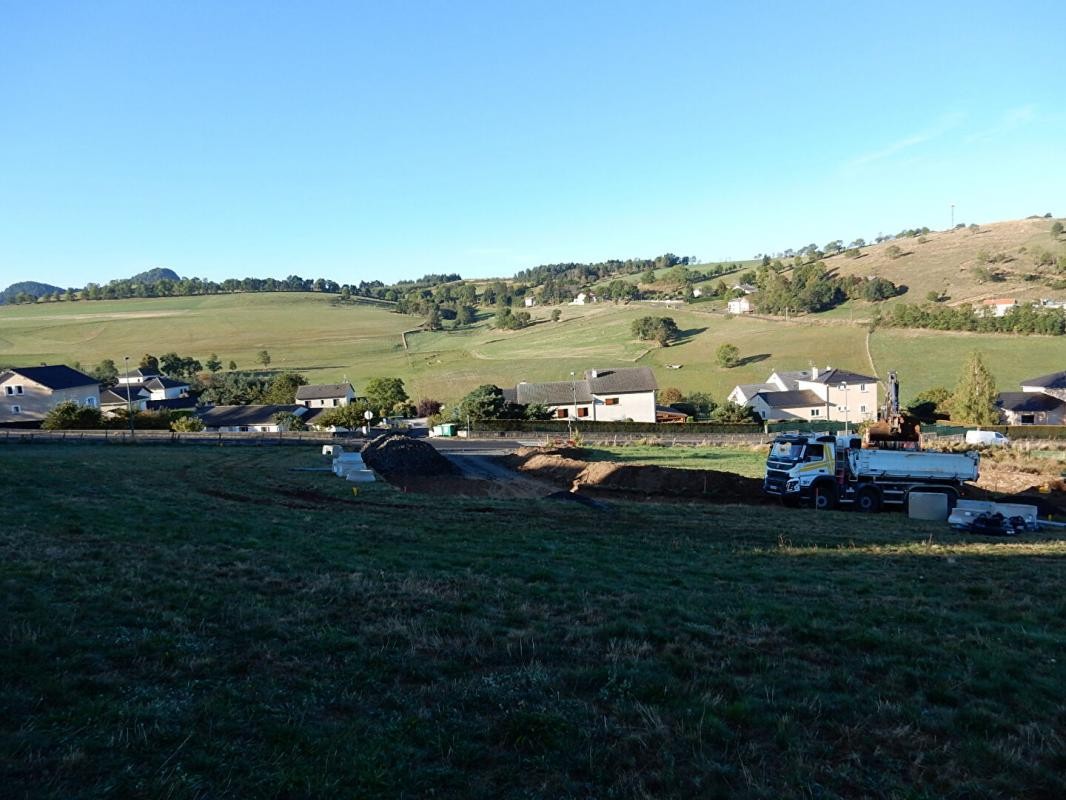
[748,461]
[197,622]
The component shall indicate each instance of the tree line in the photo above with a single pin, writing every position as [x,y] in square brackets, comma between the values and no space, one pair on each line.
[1023,319]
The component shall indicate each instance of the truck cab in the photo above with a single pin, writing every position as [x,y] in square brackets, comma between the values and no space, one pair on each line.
[805,467]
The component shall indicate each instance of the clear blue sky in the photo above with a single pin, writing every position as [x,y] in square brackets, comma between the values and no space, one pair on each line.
[384,140]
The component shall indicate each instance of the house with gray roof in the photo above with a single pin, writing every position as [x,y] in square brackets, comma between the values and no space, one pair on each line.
[248,419]
[325,395]
[601,395]
[27,394]
[1042,401]
[832,394]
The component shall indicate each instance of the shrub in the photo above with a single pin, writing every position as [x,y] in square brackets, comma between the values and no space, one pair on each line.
[68,415]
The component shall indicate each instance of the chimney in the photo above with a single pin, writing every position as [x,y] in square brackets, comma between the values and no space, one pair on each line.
[594,373]
[814,372]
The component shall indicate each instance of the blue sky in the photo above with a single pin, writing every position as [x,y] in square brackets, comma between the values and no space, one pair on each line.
[384,140]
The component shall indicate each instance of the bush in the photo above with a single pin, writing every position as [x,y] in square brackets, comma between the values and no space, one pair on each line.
[187,424]
[427,407]
[68,415]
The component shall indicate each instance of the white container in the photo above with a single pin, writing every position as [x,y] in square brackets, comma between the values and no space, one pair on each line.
[360,476]
[332,450]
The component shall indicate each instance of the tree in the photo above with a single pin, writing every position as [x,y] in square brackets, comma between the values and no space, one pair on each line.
[556,315]
[350,417]
[213,363]
[728,356]
[484,402]
[893,251]
[287,420]
[383,394]
[178,366]
[931,405]
[1056,230]
[974,399]
[68,415]
[660,329]
[148,361]
[263,357]
[433,322]
[235,388]
[670,395]
[106,372]
[648,277]
[427,407]
[733,413]
[232,365]
[465,316]
[282,391]
[189,424]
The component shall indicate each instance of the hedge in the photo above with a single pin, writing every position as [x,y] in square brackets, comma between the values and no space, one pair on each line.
[550,426]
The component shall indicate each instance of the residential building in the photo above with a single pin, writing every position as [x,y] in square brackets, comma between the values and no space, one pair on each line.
[119,398]
[824,394]
[248,419]
[1042,401]
[740,305]
[601,395]
[325,395]
[997,306]
[27,394]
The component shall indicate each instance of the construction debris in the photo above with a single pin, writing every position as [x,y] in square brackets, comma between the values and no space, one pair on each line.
[397,456]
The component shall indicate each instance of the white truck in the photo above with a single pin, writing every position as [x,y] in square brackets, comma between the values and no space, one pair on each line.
[836,470]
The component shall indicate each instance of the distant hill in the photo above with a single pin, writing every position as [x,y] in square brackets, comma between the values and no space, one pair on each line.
[28,287]
[155,275]
[1023,259]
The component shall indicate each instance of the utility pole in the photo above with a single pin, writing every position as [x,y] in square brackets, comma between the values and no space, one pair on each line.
[952,216]
[129,397]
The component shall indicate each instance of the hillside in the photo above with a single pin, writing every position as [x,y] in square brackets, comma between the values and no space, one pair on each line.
[954,262]
[327,342]
[155,275]
[28,287]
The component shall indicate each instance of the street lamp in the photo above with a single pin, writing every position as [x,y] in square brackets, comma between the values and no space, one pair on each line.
[571,417]
[129,397]
[844,388]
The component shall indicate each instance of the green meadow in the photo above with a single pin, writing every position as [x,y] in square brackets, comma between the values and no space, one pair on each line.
[266,633]
[326,341]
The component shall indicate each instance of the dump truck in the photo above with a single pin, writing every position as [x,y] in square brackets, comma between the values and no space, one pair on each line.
[831,471]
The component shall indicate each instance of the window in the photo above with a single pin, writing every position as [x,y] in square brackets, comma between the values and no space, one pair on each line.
[16,409]
[582,412]
[334,402]
[814,453]
[816,412]
[10,390]
[611,401]
[90,402]
[862,387]
[18,389]
[862,409]
[560,413]
[1028,419]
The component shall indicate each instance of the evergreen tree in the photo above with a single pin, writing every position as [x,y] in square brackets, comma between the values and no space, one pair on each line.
[974,400]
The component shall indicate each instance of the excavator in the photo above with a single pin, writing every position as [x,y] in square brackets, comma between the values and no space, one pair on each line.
[894,429]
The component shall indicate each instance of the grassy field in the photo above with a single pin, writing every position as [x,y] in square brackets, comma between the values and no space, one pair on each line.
[925,359]
[748,461]
[327,342]
[211,624]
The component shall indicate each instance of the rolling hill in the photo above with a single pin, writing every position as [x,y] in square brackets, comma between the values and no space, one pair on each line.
[326,341]
[28,287]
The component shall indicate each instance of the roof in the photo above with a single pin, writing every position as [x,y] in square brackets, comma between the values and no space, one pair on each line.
[752,389]
[171,403]
[229,416]
[621,381]
[832,376]
[1028,401]
[557,393]
[117,394]
[56,376]
[1056,380]
[323,391]
[791,379]
[163,382]
[792,399]
[144,372]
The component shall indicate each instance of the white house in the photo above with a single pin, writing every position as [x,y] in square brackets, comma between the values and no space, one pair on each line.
[997,306]
[529,302]
[27,394]
[325,395]
[830,394]
[583,299]
[248,419]
[740,305]
[602,395]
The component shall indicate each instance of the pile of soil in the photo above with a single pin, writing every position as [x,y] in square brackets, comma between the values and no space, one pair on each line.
[396,456]
[564,467]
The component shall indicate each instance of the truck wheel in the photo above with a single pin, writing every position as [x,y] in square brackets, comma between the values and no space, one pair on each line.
[868,501]
[825,497]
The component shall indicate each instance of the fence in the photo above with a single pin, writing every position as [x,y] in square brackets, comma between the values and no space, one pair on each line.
[169,437]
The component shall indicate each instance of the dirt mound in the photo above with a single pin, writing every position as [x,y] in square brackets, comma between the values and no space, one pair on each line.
[397,456]
[560,466]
